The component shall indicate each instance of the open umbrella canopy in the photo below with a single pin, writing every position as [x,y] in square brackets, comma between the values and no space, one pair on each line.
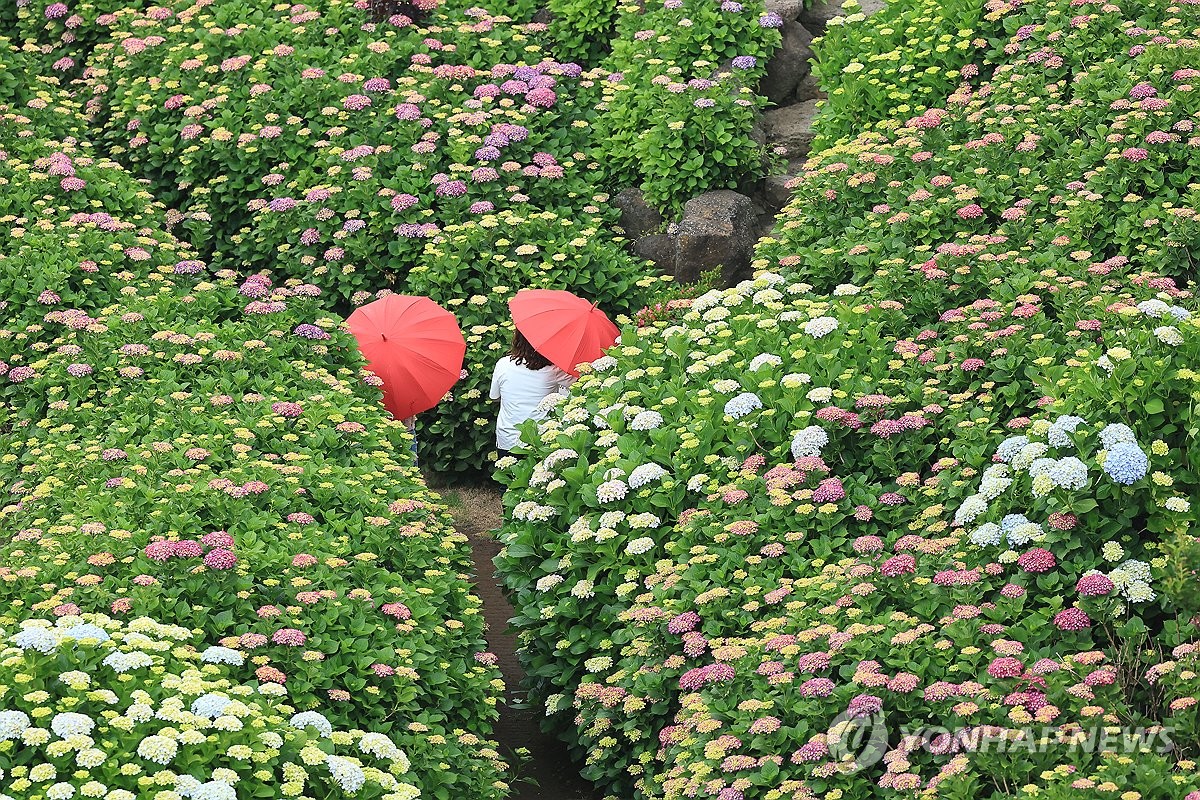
[416,348]
[563,327]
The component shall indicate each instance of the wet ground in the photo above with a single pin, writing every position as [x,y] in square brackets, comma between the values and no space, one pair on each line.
[547,772]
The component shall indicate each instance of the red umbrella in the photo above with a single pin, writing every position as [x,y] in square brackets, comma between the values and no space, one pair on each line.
[414,345]
[564,328]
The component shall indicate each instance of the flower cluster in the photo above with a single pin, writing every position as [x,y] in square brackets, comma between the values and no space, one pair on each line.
[118,704]
[248,484]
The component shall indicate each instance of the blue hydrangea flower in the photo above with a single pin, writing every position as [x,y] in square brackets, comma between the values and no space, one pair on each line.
[1060,431]
[1069,473]
[1011,521]
[743,405]
[986,535]
[1114,433]
[1010,447]
[1126,463]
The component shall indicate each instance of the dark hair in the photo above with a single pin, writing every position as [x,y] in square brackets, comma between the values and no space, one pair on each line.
[524,355]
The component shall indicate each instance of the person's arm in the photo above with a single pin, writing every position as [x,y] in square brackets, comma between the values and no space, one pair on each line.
[496,374]
[565,381]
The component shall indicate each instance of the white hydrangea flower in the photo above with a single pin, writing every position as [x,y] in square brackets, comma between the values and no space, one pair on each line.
[1139,592]
[210,706]
[646,421]
[986,535]
[1116,433]
[222,655]
[643,521]
[13,724]
[38,639]
[212,790]
[85,631]
[60,791]
[124,662]
[611,519]
[1059,434]
[548,582]
[696,482]
[378,745]
[820,327]
[158,749]
[1069,473]
[994,481]
[808,442]
[1168,335]
[311,719]
[743,405]
[71,724]
[763,359]
[1154,308]
[1011,447]
[639,546]
[1025,533]
[611,491]
[970,510]
[645,474]
[1029,453]
[821,394]
[1112,551]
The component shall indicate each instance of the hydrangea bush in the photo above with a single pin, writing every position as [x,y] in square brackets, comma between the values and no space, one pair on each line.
[595,519]
[951,419]
[98,707]
[248,484]
[898,62]
[678,103]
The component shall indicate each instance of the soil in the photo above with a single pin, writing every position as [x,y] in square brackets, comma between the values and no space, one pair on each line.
[546,772]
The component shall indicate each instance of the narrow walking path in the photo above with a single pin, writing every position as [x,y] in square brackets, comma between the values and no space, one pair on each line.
[547,772]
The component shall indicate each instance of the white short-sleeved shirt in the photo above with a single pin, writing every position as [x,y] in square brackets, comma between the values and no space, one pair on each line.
[520,390]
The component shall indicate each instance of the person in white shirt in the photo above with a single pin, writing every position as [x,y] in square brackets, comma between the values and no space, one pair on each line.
[522,380]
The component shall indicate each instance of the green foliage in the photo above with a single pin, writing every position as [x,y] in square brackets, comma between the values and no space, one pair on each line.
[898,62]
[856,484]
[677,109]
[247,483]
[582,28]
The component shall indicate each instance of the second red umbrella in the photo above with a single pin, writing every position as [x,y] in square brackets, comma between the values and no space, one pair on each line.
[563,327]
[416,348]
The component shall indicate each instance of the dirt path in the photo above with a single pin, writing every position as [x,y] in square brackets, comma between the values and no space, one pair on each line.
[547,773]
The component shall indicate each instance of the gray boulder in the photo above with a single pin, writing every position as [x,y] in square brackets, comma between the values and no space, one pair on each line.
[791,127]
[788,10]
[637,216]
[777,191]
[809,89]
[718,229]
[658,248]
[791,64]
